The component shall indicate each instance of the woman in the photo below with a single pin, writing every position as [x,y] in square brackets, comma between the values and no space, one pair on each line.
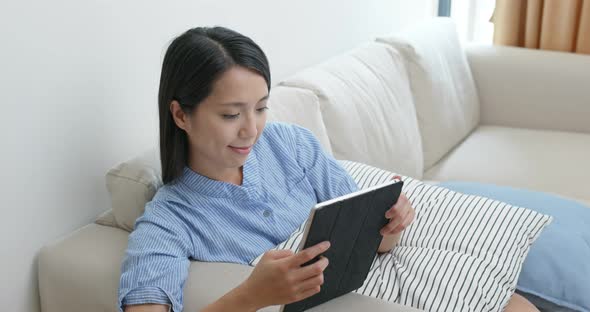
[234,187]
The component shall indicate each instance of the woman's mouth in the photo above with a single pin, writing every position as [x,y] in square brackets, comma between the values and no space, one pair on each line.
[241,150]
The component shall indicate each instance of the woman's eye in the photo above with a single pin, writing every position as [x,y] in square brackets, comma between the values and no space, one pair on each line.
[226,116]
[235,116]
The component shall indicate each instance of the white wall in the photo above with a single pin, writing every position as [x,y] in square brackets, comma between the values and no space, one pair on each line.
[78,86]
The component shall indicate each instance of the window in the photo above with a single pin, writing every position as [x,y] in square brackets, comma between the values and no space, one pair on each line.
[444,7]
[472,18]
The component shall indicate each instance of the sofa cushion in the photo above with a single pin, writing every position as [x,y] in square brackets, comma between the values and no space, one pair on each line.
[300,107]
[131,184]
[442,85]
[541,160]
[367,107]
[107,218]
[461,253]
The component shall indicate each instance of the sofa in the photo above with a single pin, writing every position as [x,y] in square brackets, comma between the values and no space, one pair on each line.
[415,103]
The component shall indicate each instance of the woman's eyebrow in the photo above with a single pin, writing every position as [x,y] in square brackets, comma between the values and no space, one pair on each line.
[239,104]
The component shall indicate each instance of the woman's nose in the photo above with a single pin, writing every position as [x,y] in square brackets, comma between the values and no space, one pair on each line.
[249,129]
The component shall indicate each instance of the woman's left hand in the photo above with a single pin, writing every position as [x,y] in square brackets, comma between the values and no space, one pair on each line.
[400,216]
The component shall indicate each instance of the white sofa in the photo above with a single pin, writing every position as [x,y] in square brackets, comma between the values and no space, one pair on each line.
[523,121]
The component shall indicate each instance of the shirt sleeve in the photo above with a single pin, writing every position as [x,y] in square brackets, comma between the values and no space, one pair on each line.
[156,262]
[328,178]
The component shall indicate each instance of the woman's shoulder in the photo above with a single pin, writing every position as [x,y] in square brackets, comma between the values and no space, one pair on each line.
[278,129]
[169,201]
[169,192]
[279,138]
[284,132]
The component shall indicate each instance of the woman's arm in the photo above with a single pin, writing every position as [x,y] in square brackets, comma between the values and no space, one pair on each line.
[235,300]
[156,261]
[327,177]
[146,308]
[278,278]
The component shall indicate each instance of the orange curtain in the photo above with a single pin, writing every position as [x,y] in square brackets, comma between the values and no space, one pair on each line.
[560,25]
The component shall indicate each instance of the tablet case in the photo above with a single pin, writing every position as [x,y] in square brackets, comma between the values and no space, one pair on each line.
[351,223]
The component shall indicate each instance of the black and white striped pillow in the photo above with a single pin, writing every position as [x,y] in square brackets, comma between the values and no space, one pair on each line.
[461,253]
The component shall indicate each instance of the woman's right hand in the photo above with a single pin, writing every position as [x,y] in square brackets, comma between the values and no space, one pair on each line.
[279,278]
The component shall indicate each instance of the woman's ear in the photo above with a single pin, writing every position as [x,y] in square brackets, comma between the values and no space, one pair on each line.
[179,116]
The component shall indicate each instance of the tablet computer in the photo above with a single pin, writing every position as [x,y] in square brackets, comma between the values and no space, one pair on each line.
[351,223]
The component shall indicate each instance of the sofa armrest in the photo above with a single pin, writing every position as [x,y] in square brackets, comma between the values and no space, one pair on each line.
[80,272]
[532,89]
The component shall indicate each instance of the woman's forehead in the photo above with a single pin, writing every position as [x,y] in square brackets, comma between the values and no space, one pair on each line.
[239,85]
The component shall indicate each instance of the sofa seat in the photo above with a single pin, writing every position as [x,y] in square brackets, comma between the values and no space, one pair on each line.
[516,157]
[81,273]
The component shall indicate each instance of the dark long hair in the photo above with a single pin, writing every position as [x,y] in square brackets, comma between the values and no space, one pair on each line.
[192,64]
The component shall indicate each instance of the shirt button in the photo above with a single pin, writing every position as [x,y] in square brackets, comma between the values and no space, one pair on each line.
[266,213]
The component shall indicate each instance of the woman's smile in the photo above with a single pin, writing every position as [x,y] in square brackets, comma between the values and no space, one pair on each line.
[241,150]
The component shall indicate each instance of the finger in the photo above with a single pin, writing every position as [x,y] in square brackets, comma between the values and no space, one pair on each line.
[388,229]
[397,208]
[311,282]
[398,177]
[390,213]
[397,220]
[402,200]
[309,253]
[407,221]
[399,215]
[311,270]
[403,206]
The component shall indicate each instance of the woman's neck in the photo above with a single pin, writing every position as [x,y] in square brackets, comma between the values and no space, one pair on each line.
[229,175]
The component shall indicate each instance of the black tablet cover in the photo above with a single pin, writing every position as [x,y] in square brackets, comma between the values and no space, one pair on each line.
[351,223]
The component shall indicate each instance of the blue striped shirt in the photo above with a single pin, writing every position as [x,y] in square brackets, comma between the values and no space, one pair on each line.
[197,218]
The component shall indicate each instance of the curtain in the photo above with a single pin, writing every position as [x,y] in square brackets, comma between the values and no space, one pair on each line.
[560,25]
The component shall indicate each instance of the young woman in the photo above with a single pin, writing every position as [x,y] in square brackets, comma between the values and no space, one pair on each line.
[234,186]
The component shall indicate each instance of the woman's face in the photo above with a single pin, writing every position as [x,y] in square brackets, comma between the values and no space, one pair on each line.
[224,127]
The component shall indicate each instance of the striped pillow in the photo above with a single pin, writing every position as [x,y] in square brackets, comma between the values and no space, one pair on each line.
[461,253]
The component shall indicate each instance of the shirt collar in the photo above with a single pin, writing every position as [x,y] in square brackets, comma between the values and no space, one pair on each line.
[221,189]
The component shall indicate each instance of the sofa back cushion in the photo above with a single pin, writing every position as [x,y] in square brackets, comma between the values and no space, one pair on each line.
[131,184]
[442,85]
[367,107]
[301,107]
